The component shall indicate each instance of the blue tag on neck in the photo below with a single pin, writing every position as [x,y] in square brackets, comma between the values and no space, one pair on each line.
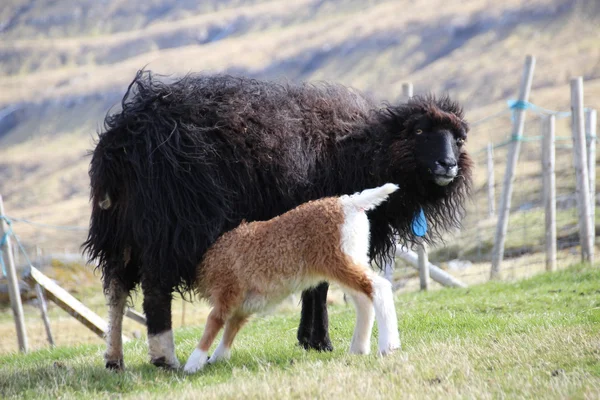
[419,224]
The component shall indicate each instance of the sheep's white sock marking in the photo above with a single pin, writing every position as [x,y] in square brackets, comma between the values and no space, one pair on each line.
[222,352]
[361,339]
[196,362]
[162,345]
[385,313]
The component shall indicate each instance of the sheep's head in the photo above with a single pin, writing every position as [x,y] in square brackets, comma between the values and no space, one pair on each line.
[438,146]
[422,150]
[428,137]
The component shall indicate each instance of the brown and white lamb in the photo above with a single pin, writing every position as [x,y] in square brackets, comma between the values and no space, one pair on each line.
[259,264]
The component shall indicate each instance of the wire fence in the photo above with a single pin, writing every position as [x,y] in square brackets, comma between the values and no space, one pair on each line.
[465,254]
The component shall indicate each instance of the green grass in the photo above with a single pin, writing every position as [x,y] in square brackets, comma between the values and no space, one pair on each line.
[538,338]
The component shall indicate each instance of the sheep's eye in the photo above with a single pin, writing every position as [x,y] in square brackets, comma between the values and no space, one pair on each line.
[460,141]
[419,131]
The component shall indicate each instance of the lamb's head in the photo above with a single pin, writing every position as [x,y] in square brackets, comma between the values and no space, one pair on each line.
[427,141]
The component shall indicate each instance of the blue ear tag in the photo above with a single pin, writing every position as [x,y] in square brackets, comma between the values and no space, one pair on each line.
[419,224]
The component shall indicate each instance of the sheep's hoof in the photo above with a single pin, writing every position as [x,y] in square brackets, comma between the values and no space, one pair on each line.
[161,362]
[319,345]
[304,342]
[115,365]
[322,346]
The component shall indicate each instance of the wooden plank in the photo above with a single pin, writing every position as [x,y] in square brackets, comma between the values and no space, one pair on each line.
[70,304]
[436,273]
[13,283]
[511,165]
[136,316]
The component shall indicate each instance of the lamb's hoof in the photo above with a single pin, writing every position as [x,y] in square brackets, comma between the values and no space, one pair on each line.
[387,350]
[162,362]
[115,365]
[192,369]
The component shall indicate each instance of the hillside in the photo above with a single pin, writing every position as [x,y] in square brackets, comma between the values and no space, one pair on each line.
[63,65]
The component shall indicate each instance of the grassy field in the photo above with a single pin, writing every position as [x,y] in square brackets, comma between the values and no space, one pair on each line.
[538,338]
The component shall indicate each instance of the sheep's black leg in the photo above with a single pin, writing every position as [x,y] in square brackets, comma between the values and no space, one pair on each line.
[116,295]
[314,323]
[320,334]
[306,319]
[120,277]
[157,307]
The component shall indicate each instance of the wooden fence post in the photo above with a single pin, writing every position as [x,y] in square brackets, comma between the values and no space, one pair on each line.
[581,167]
[511,164]
[388,270]
[16,253]
[407,90]
[549,180]
[44,311]
[423,267]
[183,312]
[490,180]
[13,283]
[590,124]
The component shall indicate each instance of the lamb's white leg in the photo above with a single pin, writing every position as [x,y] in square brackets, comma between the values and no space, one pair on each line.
[196,361]
[385,312]
[199,356]
[361,340]
[232,327]
[222,352]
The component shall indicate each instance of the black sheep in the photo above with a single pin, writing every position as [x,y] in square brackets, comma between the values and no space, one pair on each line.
[185,161]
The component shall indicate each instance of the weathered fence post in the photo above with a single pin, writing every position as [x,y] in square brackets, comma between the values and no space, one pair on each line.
[423,267]
[511,164]
[183,312]
[16,253]
[549,180]
[13,282]
[490,180]
[590,124]
[44,311]
[388,269]
[407,90]
[581,173]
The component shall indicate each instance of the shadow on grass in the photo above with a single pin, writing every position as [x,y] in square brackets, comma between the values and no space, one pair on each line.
[80,371]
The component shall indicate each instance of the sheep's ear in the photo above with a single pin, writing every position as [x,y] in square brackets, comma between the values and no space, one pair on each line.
[465,126]
[411,121]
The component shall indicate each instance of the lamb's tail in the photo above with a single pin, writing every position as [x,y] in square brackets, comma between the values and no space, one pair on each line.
[371,198]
